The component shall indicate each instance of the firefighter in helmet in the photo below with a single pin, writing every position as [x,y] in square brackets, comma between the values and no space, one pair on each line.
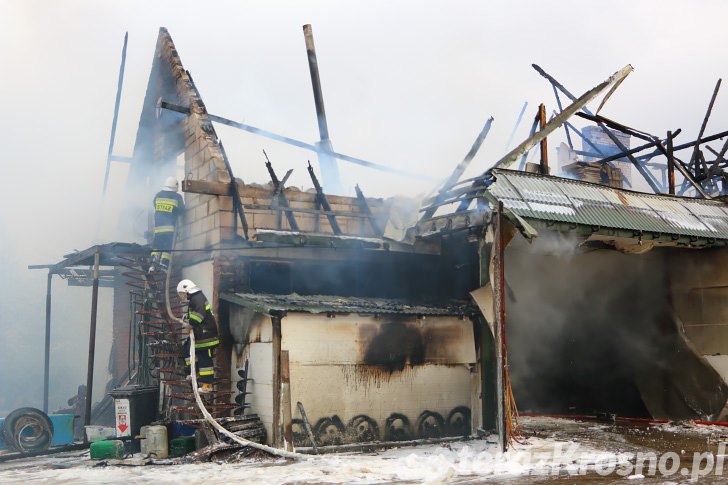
[168,206]
[202,321]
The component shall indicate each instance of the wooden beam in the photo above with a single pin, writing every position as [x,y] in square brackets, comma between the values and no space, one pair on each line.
[206,187]
[544,143]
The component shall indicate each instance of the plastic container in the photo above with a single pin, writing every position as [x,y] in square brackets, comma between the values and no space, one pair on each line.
[62,429]
[135,406]
[179,430]
[99,433]
[154,442]
[181,446]
[107,449]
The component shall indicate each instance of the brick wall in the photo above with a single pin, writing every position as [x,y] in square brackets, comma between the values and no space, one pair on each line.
[208,219]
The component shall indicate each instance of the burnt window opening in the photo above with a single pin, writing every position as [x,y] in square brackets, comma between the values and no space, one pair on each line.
[270,277]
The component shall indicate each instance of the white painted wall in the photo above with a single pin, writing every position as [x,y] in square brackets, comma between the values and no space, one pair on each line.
[261,370]
[202,275]
[330,377]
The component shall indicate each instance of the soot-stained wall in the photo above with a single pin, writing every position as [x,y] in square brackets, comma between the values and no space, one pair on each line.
[364,378]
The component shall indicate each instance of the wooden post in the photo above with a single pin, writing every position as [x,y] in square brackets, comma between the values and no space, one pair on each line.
[544,145]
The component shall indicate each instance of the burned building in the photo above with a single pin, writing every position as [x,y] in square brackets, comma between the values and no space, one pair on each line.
[516,286]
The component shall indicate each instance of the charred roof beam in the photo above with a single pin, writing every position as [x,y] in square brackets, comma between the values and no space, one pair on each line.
[297,143]
[560,119]
[280,197]
[656,142]
[649,178]
[460,169]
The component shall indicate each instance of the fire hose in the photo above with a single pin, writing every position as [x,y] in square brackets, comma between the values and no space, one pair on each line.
[193,373]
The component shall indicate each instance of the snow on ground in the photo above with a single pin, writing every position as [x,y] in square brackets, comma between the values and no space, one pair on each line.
[431,464]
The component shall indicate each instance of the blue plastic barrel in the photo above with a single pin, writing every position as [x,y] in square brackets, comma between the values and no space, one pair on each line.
[62,429]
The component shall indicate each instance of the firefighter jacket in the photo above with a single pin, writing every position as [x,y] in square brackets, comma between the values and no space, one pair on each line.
[168,205]
[202,321]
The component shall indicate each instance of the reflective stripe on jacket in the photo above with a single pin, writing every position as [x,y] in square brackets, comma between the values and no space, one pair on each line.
[202,321]
[168,206]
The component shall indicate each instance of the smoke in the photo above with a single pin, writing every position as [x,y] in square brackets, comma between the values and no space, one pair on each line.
[407,84]
[580,331]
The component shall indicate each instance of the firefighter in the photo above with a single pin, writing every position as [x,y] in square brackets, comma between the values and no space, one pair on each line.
[168,206]
[202,321]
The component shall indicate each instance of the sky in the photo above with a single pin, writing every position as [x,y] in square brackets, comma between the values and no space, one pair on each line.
[406,83]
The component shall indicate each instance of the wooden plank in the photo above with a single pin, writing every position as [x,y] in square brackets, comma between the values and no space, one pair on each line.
[206,187]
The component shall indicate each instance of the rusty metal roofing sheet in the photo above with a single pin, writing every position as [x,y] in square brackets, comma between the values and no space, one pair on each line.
[270,303]
[573,201]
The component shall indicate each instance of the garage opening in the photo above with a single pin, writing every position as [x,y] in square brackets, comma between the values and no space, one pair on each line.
[591,330]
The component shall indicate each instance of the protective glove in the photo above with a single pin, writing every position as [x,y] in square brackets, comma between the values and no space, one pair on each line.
[186,327]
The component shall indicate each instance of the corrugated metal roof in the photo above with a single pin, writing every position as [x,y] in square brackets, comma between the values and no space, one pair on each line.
[267,303]
[573,201]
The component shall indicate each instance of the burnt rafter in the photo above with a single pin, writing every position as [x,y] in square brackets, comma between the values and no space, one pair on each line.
[460,169]
[280,197]
[366,210]
[698,172]
[556,123]
[321,201]
[297,143]
[656,142]
[237,203]
[649,178]
[694,175]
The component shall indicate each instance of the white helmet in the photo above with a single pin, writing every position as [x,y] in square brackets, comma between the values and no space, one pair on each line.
[187,286]
[170,184]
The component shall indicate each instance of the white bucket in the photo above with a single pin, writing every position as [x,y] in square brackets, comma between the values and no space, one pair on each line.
[99,433]
[155,441]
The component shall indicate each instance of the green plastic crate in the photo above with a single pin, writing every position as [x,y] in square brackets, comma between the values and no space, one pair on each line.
[181,446]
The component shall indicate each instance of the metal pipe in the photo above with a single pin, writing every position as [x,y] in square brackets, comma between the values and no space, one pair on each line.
[109,156]
[92,340]
[46,367]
